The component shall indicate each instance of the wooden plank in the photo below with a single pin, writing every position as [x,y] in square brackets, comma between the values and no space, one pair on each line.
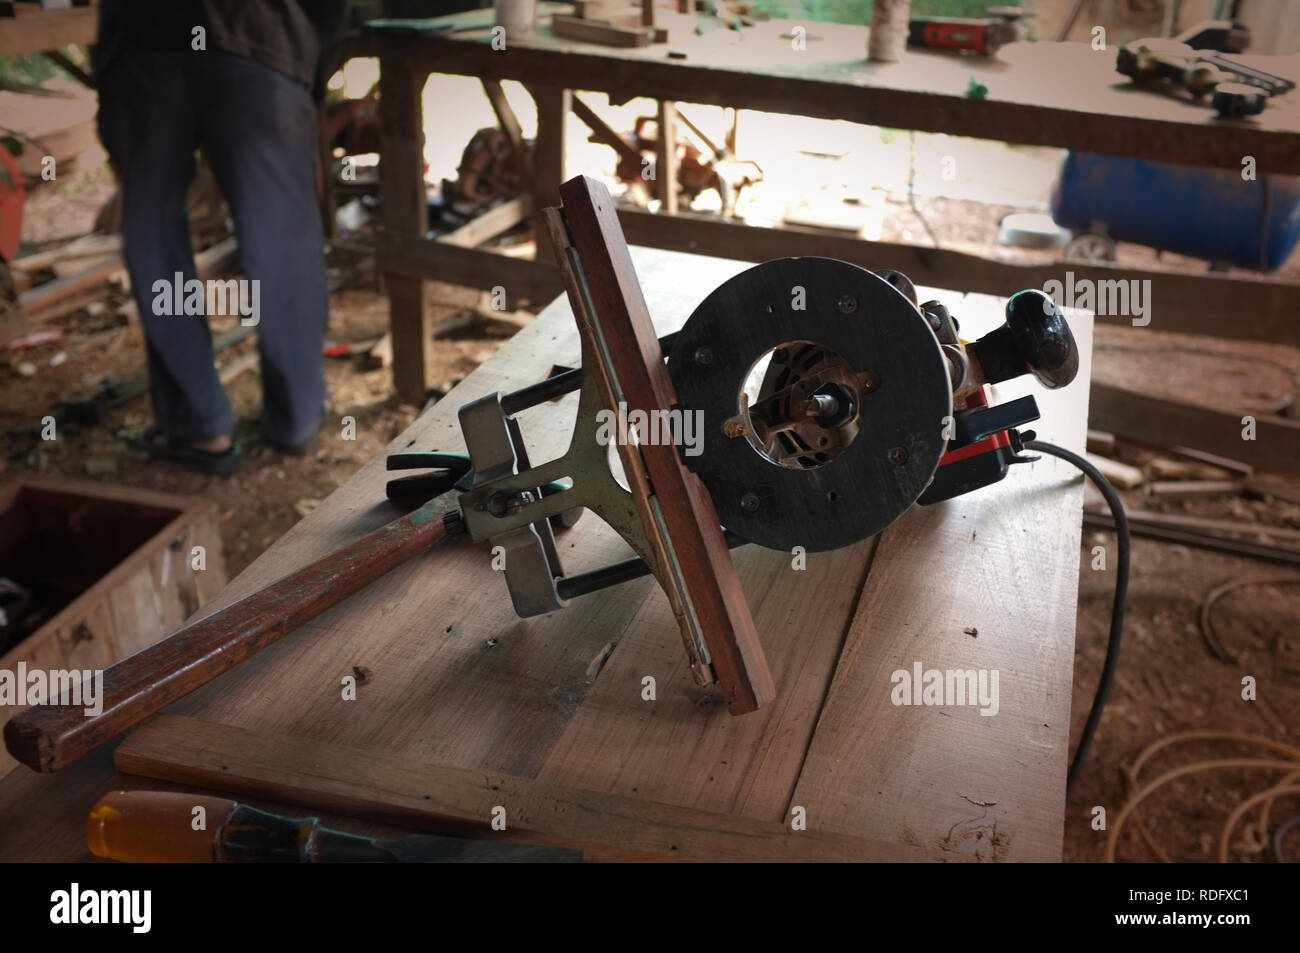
[971,584]
[1214,527]
[595,31]
[523,278]
[749,765]
[1288,490]
[1144,418]
[1194,489]
[1191,304]
[1086,107]
[461,801]
[405,216]
[709,590]
[489,225]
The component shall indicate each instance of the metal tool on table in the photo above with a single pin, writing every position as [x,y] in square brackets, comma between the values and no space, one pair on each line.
[823,402]
[1194,61]
[985,35]
[160,827]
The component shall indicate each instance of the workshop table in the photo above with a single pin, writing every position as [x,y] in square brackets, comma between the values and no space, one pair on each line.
[462,708]
[1052,94]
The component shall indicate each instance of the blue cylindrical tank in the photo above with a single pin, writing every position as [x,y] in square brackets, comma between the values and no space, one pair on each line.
[1191,210]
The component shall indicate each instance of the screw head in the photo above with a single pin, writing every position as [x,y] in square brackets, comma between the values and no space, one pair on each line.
[749,503]
[704,356]
[898,455]
[869,380]
[847,304]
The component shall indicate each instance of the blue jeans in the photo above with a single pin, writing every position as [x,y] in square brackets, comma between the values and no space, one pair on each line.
[257,129]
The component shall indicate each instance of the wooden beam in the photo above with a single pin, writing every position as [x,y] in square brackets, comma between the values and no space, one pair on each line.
[1145,418]
[1189,304]
[832,91]
[602,133]
[509,124]
[406,214]
[523,279]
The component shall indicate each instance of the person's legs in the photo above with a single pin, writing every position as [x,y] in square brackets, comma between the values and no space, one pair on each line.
[146,125]
[258,130]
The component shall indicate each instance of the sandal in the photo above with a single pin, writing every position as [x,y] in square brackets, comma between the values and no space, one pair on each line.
[162,447]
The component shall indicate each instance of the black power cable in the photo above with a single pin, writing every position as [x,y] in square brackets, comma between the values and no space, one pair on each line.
[1117,607]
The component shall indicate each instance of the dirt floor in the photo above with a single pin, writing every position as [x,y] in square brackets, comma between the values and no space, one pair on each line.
[1167,680]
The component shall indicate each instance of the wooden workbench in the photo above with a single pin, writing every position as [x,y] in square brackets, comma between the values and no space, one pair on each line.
[1055,94]
[461,707]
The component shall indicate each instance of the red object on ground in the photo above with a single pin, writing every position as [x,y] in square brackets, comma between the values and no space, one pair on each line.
[11,206]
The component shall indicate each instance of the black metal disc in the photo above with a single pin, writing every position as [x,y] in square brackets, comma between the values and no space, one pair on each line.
[900,421]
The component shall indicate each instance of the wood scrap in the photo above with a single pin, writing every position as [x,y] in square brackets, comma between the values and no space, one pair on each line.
[87,246]
[1288,490]
[1200,524]
[45,296]
[597,31]
[1190,537]
[1099,441]
[71,266]
[1214,460]
[1162,468]
[1120,474]
[1191,489]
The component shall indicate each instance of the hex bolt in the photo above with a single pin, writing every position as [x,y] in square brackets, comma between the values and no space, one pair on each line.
[847,304]
[749,503]
[898,455]
[704,356]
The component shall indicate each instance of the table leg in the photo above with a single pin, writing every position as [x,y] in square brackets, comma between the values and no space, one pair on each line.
[666,157]
[553,105]
[405,216]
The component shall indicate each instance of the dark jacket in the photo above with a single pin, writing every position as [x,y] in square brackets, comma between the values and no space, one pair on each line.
[297,37]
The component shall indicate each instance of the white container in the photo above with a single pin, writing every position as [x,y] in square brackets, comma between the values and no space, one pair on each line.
[519,17]
[888,35]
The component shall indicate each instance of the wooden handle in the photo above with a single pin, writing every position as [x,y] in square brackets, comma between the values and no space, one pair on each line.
[46,738]
[146,827]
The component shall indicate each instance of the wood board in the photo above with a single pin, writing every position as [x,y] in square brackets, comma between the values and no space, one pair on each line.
[461,704]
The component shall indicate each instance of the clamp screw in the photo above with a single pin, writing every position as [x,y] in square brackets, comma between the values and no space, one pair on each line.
[898,455]
[847,304]
[749,503]
[704,356]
